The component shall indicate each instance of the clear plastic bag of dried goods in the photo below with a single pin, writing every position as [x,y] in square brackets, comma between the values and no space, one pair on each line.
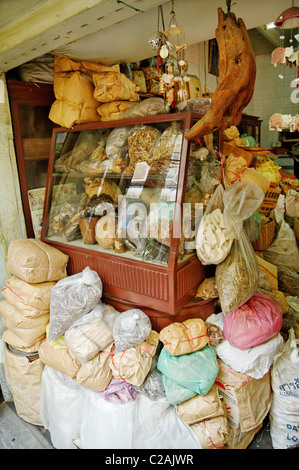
[130,329]
[237,277]
[223,220]
[71,298]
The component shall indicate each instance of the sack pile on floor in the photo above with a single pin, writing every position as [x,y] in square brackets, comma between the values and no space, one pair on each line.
[93,376]
[256,274]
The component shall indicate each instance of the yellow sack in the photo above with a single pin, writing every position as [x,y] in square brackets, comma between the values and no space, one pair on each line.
[114,109]
[96,374]
[269,171]
[59,358]
[201,407]
[113,86]
[65,64]
[75,102]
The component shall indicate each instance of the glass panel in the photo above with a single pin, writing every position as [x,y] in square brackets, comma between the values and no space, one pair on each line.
[36,130]
[114,189]
[203,175]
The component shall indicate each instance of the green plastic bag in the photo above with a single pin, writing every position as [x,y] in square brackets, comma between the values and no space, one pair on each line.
[195,371]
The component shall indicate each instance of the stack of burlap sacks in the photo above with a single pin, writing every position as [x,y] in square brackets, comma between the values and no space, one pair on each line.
[25,311]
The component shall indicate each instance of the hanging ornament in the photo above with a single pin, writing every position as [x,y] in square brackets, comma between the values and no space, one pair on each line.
[157,40]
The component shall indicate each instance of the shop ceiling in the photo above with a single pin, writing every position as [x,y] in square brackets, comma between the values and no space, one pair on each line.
[114,31]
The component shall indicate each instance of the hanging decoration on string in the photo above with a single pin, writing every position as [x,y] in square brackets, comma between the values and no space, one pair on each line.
[176,36]
[159,43]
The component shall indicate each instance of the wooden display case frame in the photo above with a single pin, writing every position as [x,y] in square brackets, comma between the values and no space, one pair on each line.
[131,282]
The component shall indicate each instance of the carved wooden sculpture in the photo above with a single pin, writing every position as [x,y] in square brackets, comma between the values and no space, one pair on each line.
[237,71]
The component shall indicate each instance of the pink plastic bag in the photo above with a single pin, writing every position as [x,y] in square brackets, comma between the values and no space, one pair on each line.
[253,323]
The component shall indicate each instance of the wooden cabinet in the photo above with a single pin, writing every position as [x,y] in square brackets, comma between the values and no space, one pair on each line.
[127,181]
[251,125]
[30,104]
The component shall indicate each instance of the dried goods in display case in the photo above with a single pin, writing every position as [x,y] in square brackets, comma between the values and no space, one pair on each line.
[122,198]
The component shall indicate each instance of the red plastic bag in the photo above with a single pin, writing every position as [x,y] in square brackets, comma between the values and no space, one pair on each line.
[253,323]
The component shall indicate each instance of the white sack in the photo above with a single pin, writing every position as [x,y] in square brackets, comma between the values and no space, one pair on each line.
[284,412]
[61,406]
[255,361]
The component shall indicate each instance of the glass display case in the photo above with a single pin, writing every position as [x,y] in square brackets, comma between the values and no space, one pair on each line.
[121,199]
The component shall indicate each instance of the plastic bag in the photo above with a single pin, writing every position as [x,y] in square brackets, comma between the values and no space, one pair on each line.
[119,392]
[283,251]
[176,393]
[91,333]
[237,277]
[153,386]
[61,407]
[218,228]
[130,329]
[284,412]
[148,107]
[196,371]
[253,323]
[137,424]
[71,298]
[194,105]
[252,226]
[255,361]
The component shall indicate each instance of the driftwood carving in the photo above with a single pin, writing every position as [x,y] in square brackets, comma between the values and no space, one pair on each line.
[237,72]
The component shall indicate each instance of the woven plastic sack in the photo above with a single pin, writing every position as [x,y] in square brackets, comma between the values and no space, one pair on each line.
[196,371]
[61,406]
[130,329]
[284,412]
[71,298]
[254,323]
[138,424]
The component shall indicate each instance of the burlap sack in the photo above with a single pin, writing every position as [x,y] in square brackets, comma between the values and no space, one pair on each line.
[186,337]
[59,358]
[35,261]
[23,379]
[16,318]
[96,373]
[133,365]
[74,102]
[30,299]
[114,86]
[201,407]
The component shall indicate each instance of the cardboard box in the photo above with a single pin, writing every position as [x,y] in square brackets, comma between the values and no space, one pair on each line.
[270,200]
[247,400]
[238,439]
